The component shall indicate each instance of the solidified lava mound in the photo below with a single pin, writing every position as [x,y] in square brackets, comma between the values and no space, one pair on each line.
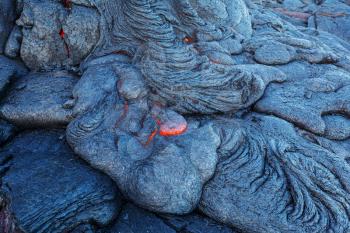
[174,116]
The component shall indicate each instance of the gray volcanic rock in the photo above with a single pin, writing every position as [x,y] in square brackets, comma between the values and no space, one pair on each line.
[135,220]
[50,189]
[263,173]
[40,99]
[195,223]
[42,46]
[334,18]
[6,131]
[81,32]
[309,94]
[165,107]
[63,41]
[8,223]
[7,18]
[13,44]
[10,70]
[270,178]
[160,173]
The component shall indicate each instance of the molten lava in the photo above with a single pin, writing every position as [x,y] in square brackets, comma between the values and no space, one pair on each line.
[171,124]
[151,136]
[188,40]
[172,129]
[61,34]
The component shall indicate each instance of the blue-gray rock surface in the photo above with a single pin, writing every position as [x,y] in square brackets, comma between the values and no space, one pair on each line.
[50,189]
[201,112]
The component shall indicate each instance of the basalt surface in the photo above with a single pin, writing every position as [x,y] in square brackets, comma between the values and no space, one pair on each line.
[204,112]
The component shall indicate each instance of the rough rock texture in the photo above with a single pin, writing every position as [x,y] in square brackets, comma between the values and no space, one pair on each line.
[310,94]
[63,41]
[6,131]
[40,99]
[10,70]
[8,223]
[13,44]
[195,223]
[135,220]
[7,18]
[273,178]
[118,106]
[157,173]
[50,189]
[240,108]
[334,17]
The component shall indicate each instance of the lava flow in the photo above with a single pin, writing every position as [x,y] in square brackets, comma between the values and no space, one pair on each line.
[169,129]
[169,124]
[151,136]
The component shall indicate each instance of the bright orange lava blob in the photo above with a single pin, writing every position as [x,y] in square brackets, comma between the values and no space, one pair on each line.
[172,129]
[188,40]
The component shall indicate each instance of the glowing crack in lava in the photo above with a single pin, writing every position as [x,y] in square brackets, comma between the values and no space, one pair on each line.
[151,136]
[188,40]
[61,34]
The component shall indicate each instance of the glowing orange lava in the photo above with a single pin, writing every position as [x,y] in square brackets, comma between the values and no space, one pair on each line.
[151,136]
[188,40]
[168,130]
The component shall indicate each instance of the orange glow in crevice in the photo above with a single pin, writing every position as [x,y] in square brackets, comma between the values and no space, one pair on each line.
[188,40]
[151,136]
[62,35]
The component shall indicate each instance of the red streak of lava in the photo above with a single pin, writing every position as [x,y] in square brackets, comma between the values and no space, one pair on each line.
[61,34]
[188,40]
[151,136]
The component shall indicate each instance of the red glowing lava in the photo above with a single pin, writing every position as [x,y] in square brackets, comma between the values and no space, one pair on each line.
[188,40]
[168,130]
[151,136]
[61,34]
